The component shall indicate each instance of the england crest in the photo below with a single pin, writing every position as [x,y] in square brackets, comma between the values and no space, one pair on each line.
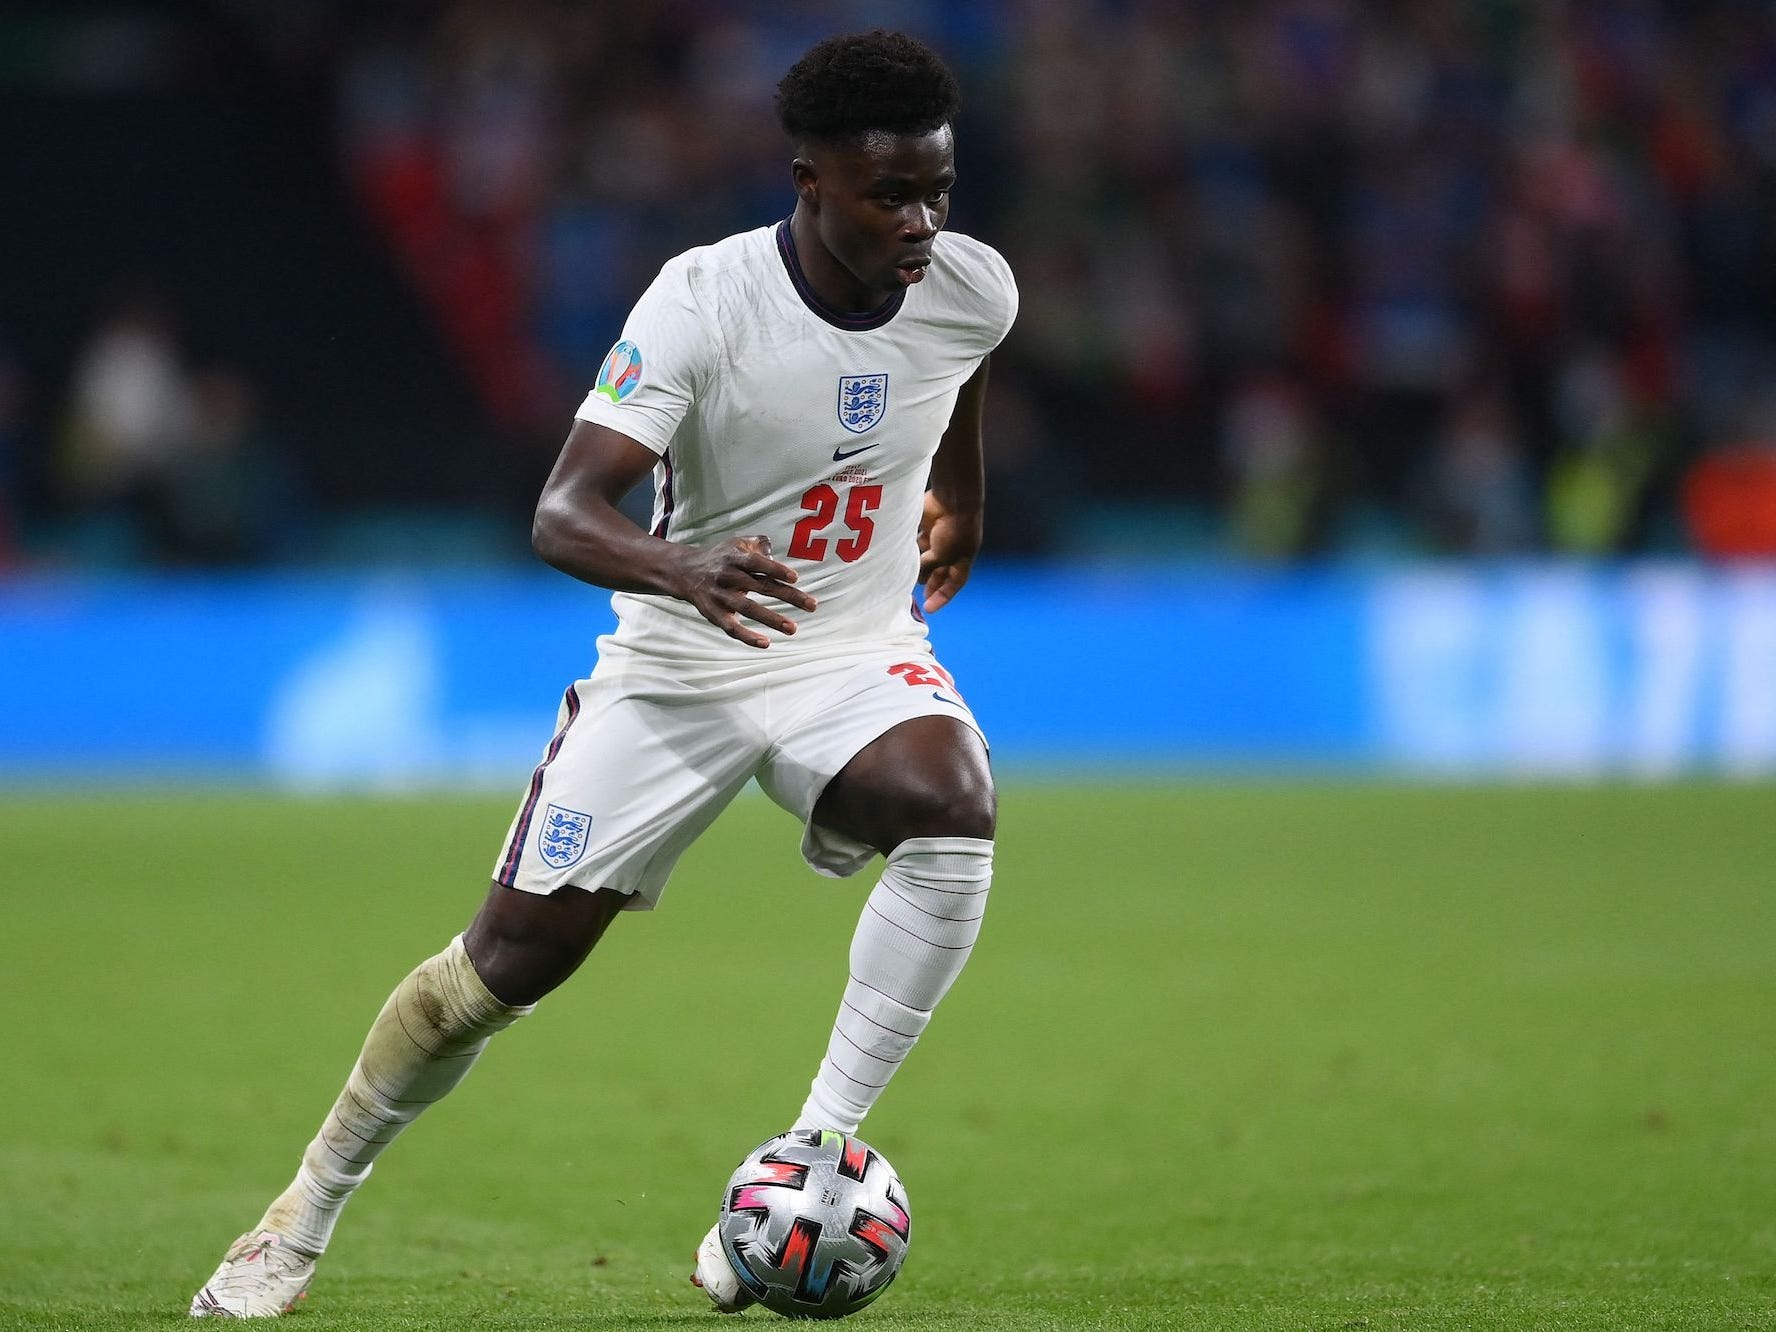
[561,838]
[863,401]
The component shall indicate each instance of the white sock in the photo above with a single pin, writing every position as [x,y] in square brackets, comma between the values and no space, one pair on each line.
[917,929]
[423,1042]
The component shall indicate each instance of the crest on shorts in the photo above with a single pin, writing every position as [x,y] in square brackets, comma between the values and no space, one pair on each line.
[863,401]
[561,838]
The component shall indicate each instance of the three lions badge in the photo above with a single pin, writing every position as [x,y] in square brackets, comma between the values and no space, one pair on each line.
[561,837]
[863,401]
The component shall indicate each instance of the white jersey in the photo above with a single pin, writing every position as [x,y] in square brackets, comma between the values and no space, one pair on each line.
[774,414]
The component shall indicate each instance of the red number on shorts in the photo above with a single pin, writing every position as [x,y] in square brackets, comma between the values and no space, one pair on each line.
[923,673]
[822,506]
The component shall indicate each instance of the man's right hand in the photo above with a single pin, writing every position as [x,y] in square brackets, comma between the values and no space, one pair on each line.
[721,582]
[580,530]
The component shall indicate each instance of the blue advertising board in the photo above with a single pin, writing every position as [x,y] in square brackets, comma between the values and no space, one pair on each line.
[401,681]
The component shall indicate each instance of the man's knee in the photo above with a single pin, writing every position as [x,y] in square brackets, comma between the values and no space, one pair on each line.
[965,809]
[523,945]
[927,777]
[964,804]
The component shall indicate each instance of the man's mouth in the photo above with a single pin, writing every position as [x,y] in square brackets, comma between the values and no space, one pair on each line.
[912,268]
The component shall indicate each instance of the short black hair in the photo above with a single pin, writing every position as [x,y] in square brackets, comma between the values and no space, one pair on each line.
[847,87]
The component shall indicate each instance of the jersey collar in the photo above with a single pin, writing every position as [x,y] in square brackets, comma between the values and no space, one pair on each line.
[851,323]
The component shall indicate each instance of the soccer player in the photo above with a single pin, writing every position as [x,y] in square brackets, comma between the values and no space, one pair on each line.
[808,398]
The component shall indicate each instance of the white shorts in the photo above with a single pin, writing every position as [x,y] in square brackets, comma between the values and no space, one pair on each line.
[648,751]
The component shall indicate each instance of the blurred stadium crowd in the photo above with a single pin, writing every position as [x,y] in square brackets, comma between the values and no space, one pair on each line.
[1301,278]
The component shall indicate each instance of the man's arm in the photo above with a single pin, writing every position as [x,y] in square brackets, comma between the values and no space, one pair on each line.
[950,532]
[580,531]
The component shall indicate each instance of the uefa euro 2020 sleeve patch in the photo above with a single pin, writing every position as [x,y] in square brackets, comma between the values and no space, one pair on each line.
[620,373]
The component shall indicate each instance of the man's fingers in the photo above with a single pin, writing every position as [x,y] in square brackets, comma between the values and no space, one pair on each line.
[756,559]
[766,616]
[755,586]
[942,583]
[729,622]
[737,574]
[731,608]
[770,587]
[761,577]
[762,566]
[734,629]
[767,576]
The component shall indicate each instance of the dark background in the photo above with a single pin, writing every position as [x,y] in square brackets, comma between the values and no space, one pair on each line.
[322,283]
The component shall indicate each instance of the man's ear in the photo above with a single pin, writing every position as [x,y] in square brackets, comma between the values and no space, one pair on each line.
[807,181]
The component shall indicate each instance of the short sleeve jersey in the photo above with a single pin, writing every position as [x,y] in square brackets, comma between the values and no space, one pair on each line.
[773,413]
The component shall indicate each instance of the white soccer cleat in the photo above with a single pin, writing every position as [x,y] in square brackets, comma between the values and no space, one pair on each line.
[260,1277]
[715,1276]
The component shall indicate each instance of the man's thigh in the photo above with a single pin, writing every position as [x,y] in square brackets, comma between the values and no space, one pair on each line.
[640,765]
[823,719]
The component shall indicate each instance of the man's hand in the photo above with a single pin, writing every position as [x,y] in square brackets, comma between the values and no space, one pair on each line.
[948,543]
[721,581]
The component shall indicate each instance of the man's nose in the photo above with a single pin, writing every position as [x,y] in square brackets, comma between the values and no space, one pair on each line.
[919,223]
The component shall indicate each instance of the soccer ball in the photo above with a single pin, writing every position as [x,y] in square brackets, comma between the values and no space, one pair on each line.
[815,1223]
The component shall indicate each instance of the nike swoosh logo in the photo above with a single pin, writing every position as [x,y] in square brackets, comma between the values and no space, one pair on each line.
[945,698]
[839,455]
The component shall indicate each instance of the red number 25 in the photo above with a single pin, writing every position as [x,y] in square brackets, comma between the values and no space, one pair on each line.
[822,505]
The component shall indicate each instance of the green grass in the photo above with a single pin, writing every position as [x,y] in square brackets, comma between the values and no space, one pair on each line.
[1302,1057]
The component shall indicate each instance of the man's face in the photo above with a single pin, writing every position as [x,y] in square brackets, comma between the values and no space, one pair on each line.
[879,203]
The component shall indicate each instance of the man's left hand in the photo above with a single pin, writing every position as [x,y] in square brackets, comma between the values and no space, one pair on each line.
[948,543]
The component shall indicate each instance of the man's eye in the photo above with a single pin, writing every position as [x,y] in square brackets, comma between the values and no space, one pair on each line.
[938,197]
[892,201]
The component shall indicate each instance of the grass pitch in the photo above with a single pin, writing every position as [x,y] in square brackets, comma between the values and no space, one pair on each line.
[1306,1058]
